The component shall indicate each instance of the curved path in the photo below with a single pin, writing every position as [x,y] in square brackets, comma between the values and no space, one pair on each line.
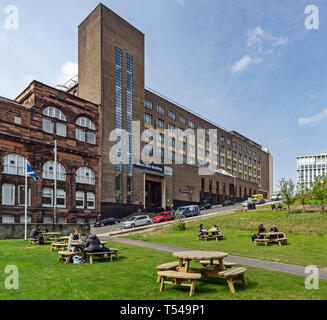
[276,266]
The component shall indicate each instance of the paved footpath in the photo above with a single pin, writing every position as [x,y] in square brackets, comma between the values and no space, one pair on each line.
[276,266]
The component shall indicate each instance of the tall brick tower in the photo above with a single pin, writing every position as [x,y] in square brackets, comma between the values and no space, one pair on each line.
[111,73]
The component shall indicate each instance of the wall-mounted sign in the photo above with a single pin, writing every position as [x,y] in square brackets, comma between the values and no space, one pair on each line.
[190,192]
[158,168]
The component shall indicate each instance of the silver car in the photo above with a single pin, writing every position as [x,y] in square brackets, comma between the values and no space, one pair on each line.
[137,221]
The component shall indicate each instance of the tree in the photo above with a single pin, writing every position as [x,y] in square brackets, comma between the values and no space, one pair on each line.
[319,192]
[287,190]
[302,195]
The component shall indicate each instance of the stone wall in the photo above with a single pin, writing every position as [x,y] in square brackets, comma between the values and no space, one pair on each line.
[17,230]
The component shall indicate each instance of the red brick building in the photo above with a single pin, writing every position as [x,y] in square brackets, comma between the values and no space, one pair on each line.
[28,127]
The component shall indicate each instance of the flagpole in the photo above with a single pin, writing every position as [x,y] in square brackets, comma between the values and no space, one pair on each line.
[55,183]
[26,199]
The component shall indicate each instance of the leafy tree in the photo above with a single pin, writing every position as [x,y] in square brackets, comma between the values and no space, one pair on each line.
[287,190]
[302,194]
[319,192]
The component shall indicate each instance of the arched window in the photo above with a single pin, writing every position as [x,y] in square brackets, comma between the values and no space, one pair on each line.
[53,112]
[85,175]
[48,171]
[85,132]
[54,126]
[14,164]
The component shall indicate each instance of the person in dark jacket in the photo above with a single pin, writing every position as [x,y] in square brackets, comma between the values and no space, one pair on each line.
[262,229]
[92,244]
[274,229]
[36,233]
[200,232]
[216,228]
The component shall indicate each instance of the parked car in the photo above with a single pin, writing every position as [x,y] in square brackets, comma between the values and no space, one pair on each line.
[260,201]
[163,217]
[106,222]
[206,206]
[228,203]
[137,221]
[188,211]
[246,202]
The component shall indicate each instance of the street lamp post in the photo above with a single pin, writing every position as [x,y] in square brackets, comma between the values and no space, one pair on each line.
[55,183]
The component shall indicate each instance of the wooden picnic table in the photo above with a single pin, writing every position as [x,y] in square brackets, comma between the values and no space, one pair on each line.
[188,256]
[213,233]
[63,239]
[271,237]
[76,244]
[49,235]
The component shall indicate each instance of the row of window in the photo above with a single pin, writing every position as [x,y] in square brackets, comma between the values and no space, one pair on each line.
[172,115]
[148,119]
[10,219]
[84,200]
[85,132]
[14,164]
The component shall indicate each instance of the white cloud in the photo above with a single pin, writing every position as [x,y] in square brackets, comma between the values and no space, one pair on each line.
[244,63]
[312,96]
[259,36]
[315,118]
[181,3]
[68,71]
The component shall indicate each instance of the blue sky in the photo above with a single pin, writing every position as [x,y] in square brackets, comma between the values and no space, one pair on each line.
[248,65]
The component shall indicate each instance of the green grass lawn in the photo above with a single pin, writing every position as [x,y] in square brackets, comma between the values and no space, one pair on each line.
[307,235]
[133,276]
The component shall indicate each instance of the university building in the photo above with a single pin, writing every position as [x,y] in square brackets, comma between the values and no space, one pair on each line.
[111,74]
[121,147]
[311,168]
[28,128]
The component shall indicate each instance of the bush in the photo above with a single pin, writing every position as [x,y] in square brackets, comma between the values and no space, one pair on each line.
[180,224]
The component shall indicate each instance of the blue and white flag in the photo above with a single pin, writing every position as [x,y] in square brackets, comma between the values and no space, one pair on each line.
[32,173]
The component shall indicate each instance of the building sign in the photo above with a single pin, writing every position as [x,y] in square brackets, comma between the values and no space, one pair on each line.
[158,168]
[190,192]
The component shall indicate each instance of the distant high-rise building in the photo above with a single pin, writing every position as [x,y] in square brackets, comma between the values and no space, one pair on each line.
[310,168]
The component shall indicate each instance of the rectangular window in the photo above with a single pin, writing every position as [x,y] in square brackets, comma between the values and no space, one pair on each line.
[8,194]
[90,200]
[21,196]
[22,219]
[47,126]
[171,128]
[148,119]
[61,198]
[160,124]
[160,110]
[80,134]
[90,137]
[8,219]
[18,120]
[148,104]
[172,142]
[160,138]
[47,197]
[191,124]
[182,120]
[61,129]
[80,200]
[172,115]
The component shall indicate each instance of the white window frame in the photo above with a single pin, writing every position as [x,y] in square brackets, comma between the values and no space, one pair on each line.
[8,222]
[80,196]
[90,196]
[61,194]
[12,186]
[29,196]
[85,175]
[48,174]
[47,205]
[16,168]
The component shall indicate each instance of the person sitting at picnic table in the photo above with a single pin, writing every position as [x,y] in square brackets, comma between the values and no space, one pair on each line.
[200,232]
[273,207]
[262,229]
[274,229]
[73,238]
[214,233]
[92,244]
[280,206]
[36,233]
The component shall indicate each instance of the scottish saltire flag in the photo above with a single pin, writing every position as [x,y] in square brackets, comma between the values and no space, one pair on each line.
[31,173]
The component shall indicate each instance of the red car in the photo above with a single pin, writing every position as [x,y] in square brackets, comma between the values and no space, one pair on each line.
[163,217]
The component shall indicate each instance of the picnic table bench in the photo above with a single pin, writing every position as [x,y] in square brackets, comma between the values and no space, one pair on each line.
[65,255]
[34,241]
[102,254]
[227,264]
[185,279]
[271,237]
[243,209]
[211,234]
[58,245]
